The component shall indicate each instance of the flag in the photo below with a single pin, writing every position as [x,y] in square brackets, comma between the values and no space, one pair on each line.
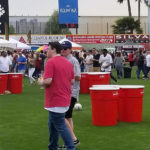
[29,37]
[6,32]
[22,40]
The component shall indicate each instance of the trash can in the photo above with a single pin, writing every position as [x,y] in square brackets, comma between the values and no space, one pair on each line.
[130,103]
[104,103]
[3,83]
[15,83]
[84,83]
[127,72]
[98,78]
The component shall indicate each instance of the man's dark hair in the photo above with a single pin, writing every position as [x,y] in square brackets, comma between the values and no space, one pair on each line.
[55,45]
[90,51]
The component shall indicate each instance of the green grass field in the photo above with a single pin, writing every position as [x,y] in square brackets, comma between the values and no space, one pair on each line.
[23,123]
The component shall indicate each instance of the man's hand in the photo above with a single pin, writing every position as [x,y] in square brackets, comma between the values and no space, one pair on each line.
[40,81]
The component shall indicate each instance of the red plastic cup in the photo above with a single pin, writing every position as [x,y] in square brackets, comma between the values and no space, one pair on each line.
[84,83]
[130,103]
[15,83]
[104,102]
[98,78]
[3,83]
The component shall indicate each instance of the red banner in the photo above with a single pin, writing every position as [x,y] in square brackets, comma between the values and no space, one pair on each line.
[92,39]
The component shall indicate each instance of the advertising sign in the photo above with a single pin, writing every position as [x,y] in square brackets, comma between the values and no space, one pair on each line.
[4,15]
[91,39]
[141,38]
[68,13]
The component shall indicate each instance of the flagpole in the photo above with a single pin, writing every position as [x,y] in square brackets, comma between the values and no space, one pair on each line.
[148,16]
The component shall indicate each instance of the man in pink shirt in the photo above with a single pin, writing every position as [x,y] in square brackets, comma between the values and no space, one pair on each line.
[58,78]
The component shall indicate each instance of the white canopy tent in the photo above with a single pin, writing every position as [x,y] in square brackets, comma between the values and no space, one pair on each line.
[7,44]
[20,45]
[75,46]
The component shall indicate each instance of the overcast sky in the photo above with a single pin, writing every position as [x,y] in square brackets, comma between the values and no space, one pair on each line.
[86,7]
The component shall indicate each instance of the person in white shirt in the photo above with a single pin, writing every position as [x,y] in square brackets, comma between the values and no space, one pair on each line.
[5,63]
[89,62]
[147,63]
[105,61]
[9,54]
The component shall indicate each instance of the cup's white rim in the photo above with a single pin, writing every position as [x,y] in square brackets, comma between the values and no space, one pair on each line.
[103,88]
[107,85]
[14,73]
[98,73]
[121,86]
[131,86]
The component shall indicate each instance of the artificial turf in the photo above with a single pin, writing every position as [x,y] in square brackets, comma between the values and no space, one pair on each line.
[23,123]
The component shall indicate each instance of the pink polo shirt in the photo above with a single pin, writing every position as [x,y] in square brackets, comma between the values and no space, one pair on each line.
[58,94]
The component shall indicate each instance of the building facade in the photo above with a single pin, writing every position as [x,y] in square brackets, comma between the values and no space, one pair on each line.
[87,24]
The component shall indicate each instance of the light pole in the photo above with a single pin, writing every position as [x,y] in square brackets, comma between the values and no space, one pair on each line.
[149,16]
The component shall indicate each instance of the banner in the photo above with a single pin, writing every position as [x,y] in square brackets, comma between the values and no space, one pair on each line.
[68,13]
[91,39]
[134,38]
[4,16]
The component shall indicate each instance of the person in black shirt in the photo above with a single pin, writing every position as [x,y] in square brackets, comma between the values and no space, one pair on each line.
[96,65]
[139,60]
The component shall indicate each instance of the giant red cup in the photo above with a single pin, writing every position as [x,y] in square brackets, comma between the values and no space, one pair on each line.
[15,82]
[84,83]
[130,103]
[98,78]
[104,102]
[3,82]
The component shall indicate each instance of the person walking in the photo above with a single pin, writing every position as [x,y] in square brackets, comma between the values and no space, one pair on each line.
[5,63]
[96,55]
[147,63]
[130,59]
[105,61]
[31,64]
[58,77]
[118,63]
[21,61]
[66,52]
[139,60]
[89,62]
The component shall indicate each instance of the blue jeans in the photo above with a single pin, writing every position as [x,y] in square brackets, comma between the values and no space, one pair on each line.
[139,69]
[119,73]
[57,126]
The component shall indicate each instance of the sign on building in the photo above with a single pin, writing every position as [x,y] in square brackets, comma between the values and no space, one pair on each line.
[68,13]
[139,38]
[91,39]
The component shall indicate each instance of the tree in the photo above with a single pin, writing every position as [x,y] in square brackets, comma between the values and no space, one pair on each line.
[129,6]
[11,29]
[52,26]
[127,25]
[139,9]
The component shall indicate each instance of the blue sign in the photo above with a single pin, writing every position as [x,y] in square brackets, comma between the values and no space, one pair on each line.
[68,13]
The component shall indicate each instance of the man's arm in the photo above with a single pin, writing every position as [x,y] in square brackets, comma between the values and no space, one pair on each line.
[44,82]
[77,78]
[72,81]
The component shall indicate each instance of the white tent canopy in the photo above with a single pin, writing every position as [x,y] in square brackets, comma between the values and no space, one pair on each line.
[7,44]
[75,46]
[20,45]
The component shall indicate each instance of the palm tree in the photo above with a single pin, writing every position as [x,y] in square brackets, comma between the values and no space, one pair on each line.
[129,6]
[139,9]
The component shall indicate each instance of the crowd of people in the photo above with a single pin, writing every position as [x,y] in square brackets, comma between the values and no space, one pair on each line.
[32,63]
